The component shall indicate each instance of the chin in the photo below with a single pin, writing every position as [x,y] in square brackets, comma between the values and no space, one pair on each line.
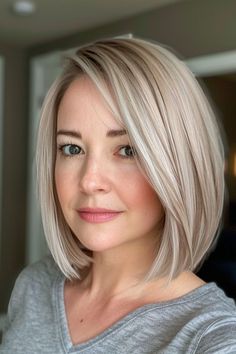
[98,245]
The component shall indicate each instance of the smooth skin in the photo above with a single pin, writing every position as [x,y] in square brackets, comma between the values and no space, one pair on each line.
[96,168]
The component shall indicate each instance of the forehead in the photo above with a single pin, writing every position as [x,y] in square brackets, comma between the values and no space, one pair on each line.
[84,106]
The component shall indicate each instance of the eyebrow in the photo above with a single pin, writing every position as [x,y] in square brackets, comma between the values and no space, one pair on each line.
[113,133]
[110,133]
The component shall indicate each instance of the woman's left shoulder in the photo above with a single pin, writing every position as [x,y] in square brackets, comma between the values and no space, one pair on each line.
[219,337]
[218,333]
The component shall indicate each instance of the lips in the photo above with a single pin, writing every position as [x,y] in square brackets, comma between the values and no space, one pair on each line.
[98,215]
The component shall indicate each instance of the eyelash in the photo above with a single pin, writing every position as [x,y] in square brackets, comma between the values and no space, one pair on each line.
[61,148]
[132,150]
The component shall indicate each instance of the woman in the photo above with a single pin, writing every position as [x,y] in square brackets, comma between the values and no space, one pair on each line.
[131,184]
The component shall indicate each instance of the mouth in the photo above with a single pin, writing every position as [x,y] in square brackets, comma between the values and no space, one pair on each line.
[98,215]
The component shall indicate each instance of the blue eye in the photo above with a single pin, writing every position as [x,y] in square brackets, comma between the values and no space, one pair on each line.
[127,151]
[70,149]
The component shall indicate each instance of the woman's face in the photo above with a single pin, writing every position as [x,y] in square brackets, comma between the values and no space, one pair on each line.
[104,197]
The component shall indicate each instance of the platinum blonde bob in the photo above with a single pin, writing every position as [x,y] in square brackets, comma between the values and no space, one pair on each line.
[175,133]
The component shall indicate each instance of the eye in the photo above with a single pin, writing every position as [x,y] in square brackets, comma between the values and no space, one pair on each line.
[126,151]
[70,149]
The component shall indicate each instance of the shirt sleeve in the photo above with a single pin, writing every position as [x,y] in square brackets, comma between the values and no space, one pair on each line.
[32,284]
[218,338]
[16,303]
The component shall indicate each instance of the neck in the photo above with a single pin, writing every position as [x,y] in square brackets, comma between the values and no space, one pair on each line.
[118,271]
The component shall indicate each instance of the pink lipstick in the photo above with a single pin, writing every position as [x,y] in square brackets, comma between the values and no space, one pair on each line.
[98,215]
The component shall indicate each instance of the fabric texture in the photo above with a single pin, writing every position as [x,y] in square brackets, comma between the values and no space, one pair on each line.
[201,322]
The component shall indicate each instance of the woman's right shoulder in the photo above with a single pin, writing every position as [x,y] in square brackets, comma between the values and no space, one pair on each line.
[41,273]
[31,297]
[33,287]
[44,265]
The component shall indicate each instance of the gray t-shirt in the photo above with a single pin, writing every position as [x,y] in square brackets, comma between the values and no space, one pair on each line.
[203,321]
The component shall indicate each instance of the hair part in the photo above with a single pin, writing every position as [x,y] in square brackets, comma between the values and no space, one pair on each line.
[175,133]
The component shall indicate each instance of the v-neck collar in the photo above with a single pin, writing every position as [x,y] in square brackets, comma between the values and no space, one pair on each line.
[62,323]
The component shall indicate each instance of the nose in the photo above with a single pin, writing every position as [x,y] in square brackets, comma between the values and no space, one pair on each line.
[93,178]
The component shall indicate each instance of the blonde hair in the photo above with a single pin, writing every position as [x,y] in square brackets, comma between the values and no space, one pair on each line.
[174,131]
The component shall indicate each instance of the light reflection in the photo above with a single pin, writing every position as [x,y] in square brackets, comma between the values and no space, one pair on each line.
[234,164]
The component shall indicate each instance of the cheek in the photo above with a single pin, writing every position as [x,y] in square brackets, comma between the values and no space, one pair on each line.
[141,194]
[62,182]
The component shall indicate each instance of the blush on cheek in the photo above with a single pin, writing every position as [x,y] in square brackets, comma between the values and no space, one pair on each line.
[61,189]
[145,191]
[63,177]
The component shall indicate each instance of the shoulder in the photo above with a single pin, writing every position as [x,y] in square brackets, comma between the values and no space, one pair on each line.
[218,330]
[45,267]
[34,282]
[219,336]
[32,304]
[217,302]
[201,321]
[41,272]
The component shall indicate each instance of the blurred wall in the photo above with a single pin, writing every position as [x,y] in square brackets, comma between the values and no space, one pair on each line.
[223,92]
[191,27]
[14,167]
